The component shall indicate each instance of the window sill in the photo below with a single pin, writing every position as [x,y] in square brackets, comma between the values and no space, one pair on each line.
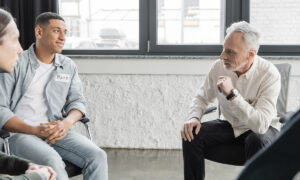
[166,65]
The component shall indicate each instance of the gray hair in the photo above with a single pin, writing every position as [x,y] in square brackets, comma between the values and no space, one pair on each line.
[251,35]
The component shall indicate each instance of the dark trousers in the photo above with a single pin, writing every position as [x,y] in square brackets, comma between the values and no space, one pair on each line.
[279,160]
[213,133]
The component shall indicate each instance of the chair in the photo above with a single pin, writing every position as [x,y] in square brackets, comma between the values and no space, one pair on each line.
[233,154]
[71,169]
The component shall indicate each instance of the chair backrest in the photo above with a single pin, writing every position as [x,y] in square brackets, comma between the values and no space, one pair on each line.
[284,70]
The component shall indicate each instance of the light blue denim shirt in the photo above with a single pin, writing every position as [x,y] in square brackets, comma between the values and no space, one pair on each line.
[63,91]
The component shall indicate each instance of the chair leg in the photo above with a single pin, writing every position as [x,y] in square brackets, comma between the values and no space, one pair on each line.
[88,131]
[6,146]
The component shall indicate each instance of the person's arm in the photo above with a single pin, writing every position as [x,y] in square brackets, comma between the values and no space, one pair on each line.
[205,96]
[74,107]
[61,127]
[258,116]
[31,176]
[12,165]
[75,98]
[14,124]
[7,82]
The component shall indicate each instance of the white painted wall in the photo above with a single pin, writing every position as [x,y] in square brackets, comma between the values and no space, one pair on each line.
[142,103]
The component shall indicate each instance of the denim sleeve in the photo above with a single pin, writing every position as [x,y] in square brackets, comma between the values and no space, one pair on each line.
[75,98]
[7,81]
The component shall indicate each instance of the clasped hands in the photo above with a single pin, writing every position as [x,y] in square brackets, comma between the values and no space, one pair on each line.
[53,131]
[47,171]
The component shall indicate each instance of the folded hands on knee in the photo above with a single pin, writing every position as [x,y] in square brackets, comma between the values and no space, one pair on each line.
[53,131]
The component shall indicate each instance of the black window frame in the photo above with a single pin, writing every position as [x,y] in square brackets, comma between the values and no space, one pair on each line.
[235,10]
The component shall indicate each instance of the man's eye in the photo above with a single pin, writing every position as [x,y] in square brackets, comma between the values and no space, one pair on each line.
[230,52]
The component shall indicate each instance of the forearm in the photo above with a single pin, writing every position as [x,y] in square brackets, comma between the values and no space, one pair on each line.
[197,108]
[73,116]
[257,118]
[14,124]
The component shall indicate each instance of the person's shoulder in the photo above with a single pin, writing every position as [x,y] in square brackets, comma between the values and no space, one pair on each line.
[266,66]
[23,57]
[66,61]
[23,61]
[217,65]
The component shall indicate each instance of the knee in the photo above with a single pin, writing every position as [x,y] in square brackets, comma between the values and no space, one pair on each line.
[198,140]
[54,161]
[255,141]
[98,156]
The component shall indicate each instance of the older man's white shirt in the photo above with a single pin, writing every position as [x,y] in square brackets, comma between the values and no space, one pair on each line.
[255,106]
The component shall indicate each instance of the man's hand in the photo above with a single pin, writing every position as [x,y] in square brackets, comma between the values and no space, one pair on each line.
[57,130]
[47,171]
[187,129]
[224,85]
[40,131]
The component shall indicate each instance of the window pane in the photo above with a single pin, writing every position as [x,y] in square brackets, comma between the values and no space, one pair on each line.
[101,24]
[190,21]
[277,20]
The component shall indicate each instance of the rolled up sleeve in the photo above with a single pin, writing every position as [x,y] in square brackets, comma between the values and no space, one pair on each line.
[75,98]
[6,88]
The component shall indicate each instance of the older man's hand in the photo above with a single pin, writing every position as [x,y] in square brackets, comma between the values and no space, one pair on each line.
[187,129]
[224,85]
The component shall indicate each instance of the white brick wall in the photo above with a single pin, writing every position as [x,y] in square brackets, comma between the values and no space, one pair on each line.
[278,20]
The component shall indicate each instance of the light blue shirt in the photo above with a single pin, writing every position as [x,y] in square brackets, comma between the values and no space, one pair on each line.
[63,91]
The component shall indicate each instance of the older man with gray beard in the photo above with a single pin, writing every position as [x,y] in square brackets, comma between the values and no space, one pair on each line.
[246,87]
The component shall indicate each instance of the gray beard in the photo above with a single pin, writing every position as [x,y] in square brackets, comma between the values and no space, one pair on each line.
[236,68]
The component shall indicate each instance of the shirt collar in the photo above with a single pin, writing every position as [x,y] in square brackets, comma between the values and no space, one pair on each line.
[58,62]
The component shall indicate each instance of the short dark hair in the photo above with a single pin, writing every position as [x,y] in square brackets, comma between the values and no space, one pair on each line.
[45,17]
[5,19]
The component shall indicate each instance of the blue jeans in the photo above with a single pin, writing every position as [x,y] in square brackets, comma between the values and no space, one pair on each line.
[74,148]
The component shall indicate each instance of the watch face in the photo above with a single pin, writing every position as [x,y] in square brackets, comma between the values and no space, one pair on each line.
[235,92]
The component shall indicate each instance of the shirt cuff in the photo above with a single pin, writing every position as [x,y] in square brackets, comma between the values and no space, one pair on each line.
[5,115]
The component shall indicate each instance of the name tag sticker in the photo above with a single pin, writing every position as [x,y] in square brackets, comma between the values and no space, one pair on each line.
[62,78]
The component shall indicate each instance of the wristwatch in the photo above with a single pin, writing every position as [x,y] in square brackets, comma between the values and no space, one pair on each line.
[232,94]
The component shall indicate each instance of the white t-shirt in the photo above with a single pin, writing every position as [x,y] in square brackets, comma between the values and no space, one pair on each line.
[33,106]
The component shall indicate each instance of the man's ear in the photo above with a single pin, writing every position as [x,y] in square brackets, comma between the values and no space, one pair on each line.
[251,53]
[38,31]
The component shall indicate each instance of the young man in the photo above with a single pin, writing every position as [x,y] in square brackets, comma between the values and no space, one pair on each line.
[247,88]
[43,86]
